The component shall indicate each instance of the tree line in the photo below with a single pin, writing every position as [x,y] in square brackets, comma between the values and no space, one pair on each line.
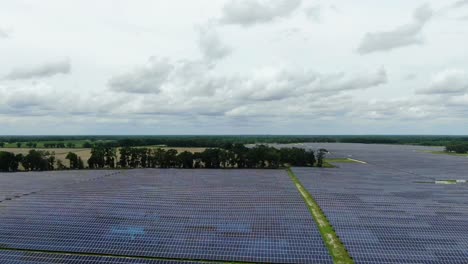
[35,160]
[105,157]
[218,141]
[460,148]
[231,156]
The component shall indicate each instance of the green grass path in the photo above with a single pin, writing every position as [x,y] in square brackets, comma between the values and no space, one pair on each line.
[335,246]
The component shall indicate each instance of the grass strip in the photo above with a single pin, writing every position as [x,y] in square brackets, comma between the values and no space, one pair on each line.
[336,248]
[446,153]
[328,163]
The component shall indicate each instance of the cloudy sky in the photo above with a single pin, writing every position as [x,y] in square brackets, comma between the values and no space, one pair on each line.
[233,67]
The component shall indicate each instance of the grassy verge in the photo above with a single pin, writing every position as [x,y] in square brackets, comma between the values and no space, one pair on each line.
[344,160]
[447,153]
[328,163]
[335,246]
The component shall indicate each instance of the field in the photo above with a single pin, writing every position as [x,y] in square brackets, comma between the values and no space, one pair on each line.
[448,153]
[383,208]
[85,153]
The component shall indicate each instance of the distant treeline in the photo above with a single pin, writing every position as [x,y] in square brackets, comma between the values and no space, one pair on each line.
[217,141]
[232,156]
[33,161]
[460,148]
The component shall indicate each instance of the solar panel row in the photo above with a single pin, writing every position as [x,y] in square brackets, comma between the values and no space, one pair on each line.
[14,186]
[228,215]
[384,216]
[16,257]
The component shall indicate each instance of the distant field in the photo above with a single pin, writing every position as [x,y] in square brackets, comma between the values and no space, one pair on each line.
[193,150]
[41,144]
[84,153]
[447,153]
[60,154]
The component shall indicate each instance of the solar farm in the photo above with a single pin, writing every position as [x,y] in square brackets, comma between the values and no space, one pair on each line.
[390,210]
[385,209]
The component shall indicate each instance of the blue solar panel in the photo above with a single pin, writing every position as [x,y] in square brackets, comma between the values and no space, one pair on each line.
[384,214]
[229,215]
[16,257]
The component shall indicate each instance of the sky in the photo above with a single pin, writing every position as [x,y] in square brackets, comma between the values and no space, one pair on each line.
[233,67]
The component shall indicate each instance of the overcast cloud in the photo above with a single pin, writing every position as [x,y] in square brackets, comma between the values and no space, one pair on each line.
[250,12]
[3,33]
[233,67]
[406,35]
[47,69]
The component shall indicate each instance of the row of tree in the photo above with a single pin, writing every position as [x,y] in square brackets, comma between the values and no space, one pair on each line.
[102,156]
[231,156]
[460,148]
[35,160]
[49,145]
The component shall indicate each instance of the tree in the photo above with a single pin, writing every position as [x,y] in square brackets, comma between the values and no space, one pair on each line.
[60,165]
[51,162]
[159,158]
[37,160]
[185,159]
[2,144]
[170,158]
[18,144]
[124,157]
[73,158]
[87,145]
[110,157]
[9,162]
[297,157]
[80,163]
[98,157]
[320,157]
[460,148]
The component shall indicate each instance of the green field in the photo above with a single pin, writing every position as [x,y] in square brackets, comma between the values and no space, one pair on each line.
[447,153]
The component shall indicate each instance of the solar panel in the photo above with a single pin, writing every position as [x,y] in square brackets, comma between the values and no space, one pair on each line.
[229,215]
[16,185]
[383,214]
[16,257]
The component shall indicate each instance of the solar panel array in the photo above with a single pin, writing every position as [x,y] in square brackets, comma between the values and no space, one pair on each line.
[410,159]
[221,215]
[16,257]
[384,214]
[15,185]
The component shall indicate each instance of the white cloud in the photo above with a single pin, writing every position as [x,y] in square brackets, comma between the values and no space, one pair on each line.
[406,35]
[276,84]
[285,75]
[452,81]
[3,33]
[210,44]
[460,3]
[314,13]
[251,12]
[40,71]
[146,79]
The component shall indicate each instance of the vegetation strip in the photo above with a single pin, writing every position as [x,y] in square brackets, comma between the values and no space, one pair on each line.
[117,256]
[335,246]
[446,153]
[358,161]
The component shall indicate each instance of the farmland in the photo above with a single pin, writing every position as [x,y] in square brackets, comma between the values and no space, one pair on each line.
[85,153]
[378,203]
